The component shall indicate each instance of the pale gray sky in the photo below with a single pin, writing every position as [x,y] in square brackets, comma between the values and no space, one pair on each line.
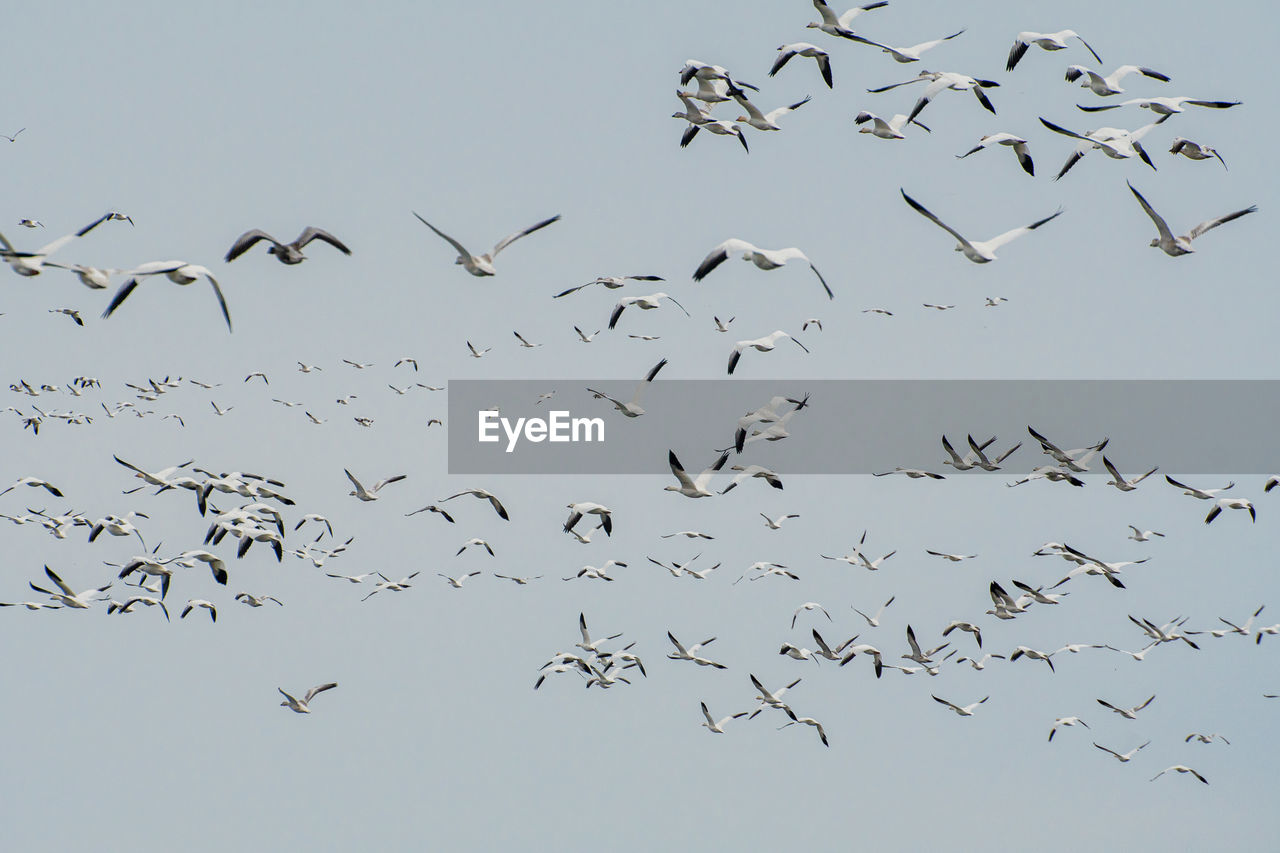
[204,122]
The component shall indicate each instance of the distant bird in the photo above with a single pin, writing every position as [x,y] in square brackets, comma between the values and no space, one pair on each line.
[1127,713]
[760,120]
[1128,756]
[30,223]
[35,483]
[482,495]
[370,494]
[647,303]
[693,487]
[979,252]
[884,128]
[812,321]
[193,603]
[1163,106]
[721,127]
[1180,768]
[723,325]
[765,344]
[1195,151]
[776,524]
[1200,494]
[1017,143]
[612,282]
[806,721]
[302,706]
[456,583]
[874,621]
[834,25]
[966,711]
[1066,721]
[941,81]
[1231,503]
[765,259]
[256,600]
[178,272]
[1117,143]
[1142,535]
[1109,85]
[1120,482]
[15,135]
[1047,41]
[479,542]
[913,473]
[523,342]
[717,726]
[912,53]
[994,301]
[1175,246]
[808,606]
[286,253]
[955,558]
[578,510]
[802,48]
[1205,738]
[477,353]
[584,337]
[482,265]
[66,597]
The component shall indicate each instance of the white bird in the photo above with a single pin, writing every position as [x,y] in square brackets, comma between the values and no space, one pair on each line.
[1195,151]
[970,459]
[1231,503]
[1120,482]
[1181,245]
[994,301]
[646,303]
[1117,143]
[1127,713]
[807,721]
[834,25]
[941,81]
[286,253]
[774,524]
[584,337]
[691,653]
[1201,494]
[475,353]
[1047,41]
[482,495]
[145,600]
[1237,629]
[695,487]
[456,583]
[518,581]
[918,655]
[32,263]
[765,259]
[770,699]
[1074,460]
[803,48]
[1142,535]
[524,343]
[1180,768]
[35,483]
[1109,85]
[955,558]
[66,597]
[979,663]
[1205,738]
[702,72]
[1017,143]
[257,600]
[15,135]
[723,325]
[913,473]
[1032,654]
[193,603]
[966,711]
[301,706]
[884,128]
[937,307]
[749,471]
[979,252]
[1163,106]
[1066,721]
[762,121]
[717,726]
[721,128]
[613,282]
[588,644]
[874,621]
[688,534]
[178,272]
[912,52]
[118,526]
[1127,756]
[808,605]
[388,585]
[483,264]
[370,494]
[765,344]
[474,541]
[578,510]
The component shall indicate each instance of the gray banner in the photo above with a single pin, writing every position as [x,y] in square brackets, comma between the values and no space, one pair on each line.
[1186,427]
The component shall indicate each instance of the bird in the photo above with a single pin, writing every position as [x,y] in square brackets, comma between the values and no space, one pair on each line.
[1142,535]
[1201,494]
[912,53]
[193,603]
[66,597]
[145,600]
[1195,151]
[15,135]
[803,48]
[286,253]
[588,644]
[456,583]
[913,473]
[1117,143]
[612,282]
[765,259]
[1066,721]
[370,494]
[302,706]
[966,711]
[764,344]
[884,128]
[1163,106]
[721,127]
[749,471]
[1047,41]
[1120,482]
[834,25]
[807,721]
[632,408]
[809,605]
[775,523]
[688,534]
[874,621]
[646,303]
[693,487]
[584,337]
[980,252]
[1231,503]
[1109,85]
[941,81]
[524,343]
[691,653]
[758,120]
[178,272]
[31,263]
[30,223]
[1032,654]
[474,541]
[717,726]
[770,699]
[35,483]
[475,353]
[482,265]
[1181,245]
[1128,756]
[994,301]
[1127,713]
[482,495]
[1180,768]
[256,600]
[1017,143]
[578,510]
[1202,738]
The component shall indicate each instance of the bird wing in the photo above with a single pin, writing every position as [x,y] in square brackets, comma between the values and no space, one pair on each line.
[773,115]
[319,689]
[452,242]
[312,233]
[678,470]
[922,210]
[359,488]
[53,576]
[1009,236]
[1214,223]
[121,295]
[706,475]
[381,483]
[246,241]
[511,238]
[719,254]
[1161,225]
[222,300]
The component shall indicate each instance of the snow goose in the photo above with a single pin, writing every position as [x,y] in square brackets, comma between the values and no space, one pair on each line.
[1195,151]
[966,711]
[762,121]
[765,344]
[301,706]
[370,494]
[912,53]
[483,495]
[691,653]
[770,699]
[66,597]
[256,600]
[1142,535]
[193,603]
[807,606]
[749,471]
[874,621]
[1109,85]
[482,265]
[693,487]
[1128,756]
[1163,106]
[717,726]
[1047,41]
[980,252]
[803,48]
[286,253]
[1066,721]
[578,510]
[31,263]
[776,523]
[94,278]
[1231,503]
[178,272]
[765,259]
[15,135]
[1116,143]
[940,81]
[1200,494]
[693,69]
[646,303]
[35,483]
[1073,460]
[807,721]
[1180,768]
[1017,143]
[1205,738]
[613,282]
[1181,245]
[1127,713]
[145,600]
[882,128]
[482,543]
[1120,482]
[457,582]
[721,127]
[913,473]
[834,25]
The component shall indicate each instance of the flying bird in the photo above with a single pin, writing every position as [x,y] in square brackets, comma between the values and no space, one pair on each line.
[482,265]
[286,253]
[765,259]
[980,252]
[178,272]
[1047,41]
[1181,245]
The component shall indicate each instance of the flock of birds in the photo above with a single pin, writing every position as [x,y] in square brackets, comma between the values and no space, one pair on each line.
[257,508]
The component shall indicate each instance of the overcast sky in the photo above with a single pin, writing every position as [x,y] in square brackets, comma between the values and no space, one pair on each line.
[125,732]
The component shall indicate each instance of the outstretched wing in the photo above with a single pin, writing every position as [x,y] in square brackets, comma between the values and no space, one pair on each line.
[310,233]
[246,241]
[511,238]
